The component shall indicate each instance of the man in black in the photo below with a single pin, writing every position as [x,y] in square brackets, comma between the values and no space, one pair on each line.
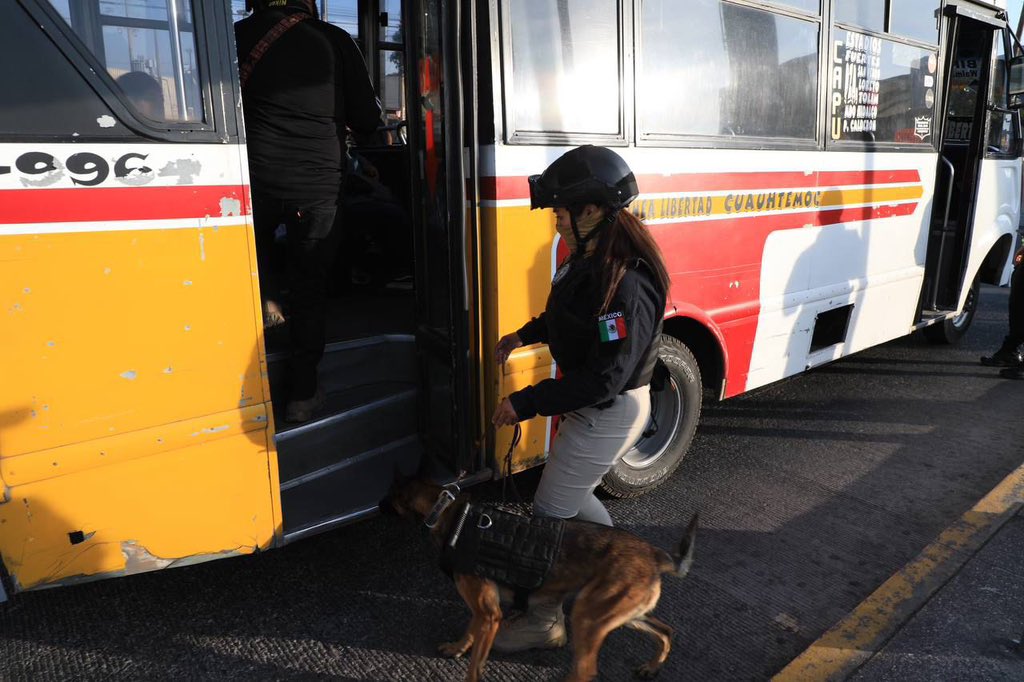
[1009,355]
[304,83]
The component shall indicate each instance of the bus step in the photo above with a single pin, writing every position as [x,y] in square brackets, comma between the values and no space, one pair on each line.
[932,313]
[355,421]
[347,491]
[347,364]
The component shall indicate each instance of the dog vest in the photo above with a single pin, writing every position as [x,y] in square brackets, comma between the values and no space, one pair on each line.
[513,550]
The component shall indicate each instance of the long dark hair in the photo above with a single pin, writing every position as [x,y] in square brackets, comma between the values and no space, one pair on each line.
[619,246]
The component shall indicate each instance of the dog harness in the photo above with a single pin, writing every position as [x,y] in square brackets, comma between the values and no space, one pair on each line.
[511,549]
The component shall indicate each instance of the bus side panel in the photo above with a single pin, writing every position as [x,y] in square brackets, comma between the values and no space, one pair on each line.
[870,256]
[134,400]
[110,332]
[525,275]
[994,215]
[174,508]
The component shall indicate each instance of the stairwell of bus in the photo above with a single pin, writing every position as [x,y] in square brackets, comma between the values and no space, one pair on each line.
[332,467]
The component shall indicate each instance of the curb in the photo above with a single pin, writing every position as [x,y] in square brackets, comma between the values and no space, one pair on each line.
[851,642]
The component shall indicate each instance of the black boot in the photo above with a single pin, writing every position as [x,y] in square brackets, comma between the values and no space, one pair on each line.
[1008,355]
[1012,373]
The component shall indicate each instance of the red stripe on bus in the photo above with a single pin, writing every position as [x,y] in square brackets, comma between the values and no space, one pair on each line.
[517,188]
[109,204]
[716,266]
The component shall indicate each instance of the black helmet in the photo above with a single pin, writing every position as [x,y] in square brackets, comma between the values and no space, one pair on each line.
[585,175]
[260,5]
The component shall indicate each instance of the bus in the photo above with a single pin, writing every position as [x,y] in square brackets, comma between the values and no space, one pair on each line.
[822,177]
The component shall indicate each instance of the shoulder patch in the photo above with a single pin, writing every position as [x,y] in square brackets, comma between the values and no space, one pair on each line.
[612,326]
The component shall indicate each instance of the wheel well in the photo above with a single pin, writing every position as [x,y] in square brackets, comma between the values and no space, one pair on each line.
[991,269]
[705,348]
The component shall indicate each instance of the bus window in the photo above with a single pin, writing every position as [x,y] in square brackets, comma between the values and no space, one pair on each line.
[50,99]
[391,18]
[391,54]
[809,6]
[565,67]
[343,14]
[238,10]
[148,47]
[1002,135]
[64,7]
[916,19]
[722,69]
[881,90]
[869,14]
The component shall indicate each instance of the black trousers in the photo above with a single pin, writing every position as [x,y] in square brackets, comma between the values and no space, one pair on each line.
[1016,335]
[310,248]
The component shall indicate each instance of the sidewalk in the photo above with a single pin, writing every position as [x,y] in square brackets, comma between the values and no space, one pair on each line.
[955,612]
[971,629]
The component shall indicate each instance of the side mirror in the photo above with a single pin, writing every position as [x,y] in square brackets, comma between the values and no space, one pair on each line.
[1017,82]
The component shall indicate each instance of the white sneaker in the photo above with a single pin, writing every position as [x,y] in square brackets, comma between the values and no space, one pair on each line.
[542,626]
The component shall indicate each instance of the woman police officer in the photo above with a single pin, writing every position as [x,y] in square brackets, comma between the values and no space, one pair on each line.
[602,323]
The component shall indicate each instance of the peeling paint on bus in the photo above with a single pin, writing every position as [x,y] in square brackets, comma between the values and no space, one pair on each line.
[185,170]
[230,207]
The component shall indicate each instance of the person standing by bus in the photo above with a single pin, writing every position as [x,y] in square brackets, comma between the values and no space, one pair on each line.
[304,83]
[602,323]
[1009,355]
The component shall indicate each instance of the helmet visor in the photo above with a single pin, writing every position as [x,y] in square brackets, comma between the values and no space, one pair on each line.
[541,196]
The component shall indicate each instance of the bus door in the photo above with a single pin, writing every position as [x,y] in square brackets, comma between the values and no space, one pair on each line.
[976,157]
[445,271]
[396,371]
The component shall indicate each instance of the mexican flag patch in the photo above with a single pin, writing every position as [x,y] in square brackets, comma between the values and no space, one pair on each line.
[612,327]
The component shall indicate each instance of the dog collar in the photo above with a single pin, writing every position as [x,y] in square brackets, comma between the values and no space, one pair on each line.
[444,500]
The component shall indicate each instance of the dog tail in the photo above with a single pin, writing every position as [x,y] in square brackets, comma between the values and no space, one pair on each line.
[684,558]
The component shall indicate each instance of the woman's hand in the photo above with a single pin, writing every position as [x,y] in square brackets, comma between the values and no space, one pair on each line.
[505,415]
[506,345]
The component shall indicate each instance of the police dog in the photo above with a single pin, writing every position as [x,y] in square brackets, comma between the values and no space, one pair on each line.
[615,575]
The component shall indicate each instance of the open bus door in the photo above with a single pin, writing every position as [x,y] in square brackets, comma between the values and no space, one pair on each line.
[977,155]
[445,271]
[395,397]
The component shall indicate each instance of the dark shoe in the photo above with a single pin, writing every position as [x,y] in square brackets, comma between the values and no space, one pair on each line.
[1004,357]
[299,411]
[1012,373]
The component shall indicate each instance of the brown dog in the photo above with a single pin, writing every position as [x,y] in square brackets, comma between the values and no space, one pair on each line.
[615,575]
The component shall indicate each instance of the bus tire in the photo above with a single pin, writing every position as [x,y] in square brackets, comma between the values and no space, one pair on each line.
[675,411]
[953,329]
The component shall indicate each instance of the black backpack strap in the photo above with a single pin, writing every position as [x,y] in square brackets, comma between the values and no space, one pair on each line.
[247,65]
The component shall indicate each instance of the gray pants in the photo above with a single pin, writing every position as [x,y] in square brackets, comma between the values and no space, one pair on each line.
[589,441]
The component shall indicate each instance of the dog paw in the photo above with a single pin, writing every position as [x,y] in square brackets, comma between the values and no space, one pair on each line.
[452,649]
[648,671]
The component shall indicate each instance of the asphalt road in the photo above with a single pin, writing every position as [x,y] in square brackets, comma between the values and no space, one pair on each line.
[811,492]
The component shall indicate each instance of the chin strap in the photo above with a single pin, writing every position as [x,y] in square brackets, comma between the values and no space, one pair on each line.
[581,242]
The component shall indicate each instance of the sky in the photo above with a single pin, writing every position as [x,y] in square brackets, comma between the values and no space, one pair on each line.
[1014,7]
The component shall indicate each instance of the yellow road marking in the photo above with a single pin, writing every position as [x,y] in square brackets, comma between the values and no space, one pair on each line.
[852,641]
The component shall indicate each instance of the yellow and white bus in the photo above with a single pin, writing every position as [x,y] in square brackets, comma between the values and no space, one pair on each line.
[822,176]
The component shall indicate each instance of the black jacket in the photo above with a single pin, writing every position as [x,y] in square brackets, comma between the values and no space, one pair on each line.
[309,86]
[599,356]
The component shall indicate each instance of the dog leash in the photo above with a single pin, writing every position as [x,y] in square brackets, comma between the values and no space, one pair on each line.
[517,434]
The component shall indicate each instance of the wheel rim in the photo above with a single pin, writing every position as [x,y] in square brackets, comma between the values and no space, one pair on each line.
[666,413]
[961,319]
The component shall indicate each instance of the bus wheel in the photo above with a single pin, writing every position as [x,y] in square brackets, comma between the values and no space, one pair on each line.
[675,410]
[953,329]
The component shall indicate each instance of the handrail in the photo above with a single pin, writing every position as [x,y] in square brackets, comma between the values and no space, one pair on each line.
[949,192]
[933,298]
